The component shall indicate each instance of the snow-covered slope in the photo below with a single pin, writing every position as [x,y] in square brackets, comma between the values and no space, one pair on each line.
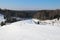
[2,18]
[27,30]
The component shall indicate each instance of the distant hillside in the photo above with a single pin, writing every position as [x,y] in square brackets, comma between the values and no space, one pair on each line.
[39,14]
[47,14]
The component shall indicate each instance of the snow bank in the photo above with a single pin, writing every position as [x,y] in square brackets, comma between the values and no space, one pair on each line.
[36,20]
[25,31]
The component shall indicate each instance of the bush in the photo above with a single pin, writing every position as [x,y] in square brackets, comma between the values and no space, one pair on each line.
[2,23]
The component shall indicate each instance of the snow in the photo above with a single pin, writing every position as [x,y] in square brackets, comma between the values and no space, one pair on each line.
[2,18]
[36,20]
[18,18]
[27,30]
[29,21]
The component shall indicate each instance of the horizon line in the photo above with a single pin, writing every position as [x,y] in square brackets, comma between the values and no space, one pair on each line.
[28,9]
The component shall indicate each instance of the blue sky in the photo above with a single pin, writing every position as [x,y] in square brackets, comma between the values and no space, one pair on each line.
[30,4]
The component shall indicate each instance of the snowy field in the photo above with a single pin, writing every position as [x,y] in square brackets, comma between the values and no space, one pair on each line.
[28,30]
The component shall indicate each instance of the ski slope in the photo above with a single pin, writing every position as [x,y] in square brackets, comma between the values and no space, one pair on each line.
[27,30]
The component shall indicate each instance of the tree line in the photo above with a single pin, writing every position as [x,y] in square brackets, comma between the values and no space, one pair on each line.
[39,14]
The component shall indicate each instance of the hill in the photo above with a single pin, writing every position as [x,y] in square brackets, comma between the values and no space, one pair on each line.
[26,30]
